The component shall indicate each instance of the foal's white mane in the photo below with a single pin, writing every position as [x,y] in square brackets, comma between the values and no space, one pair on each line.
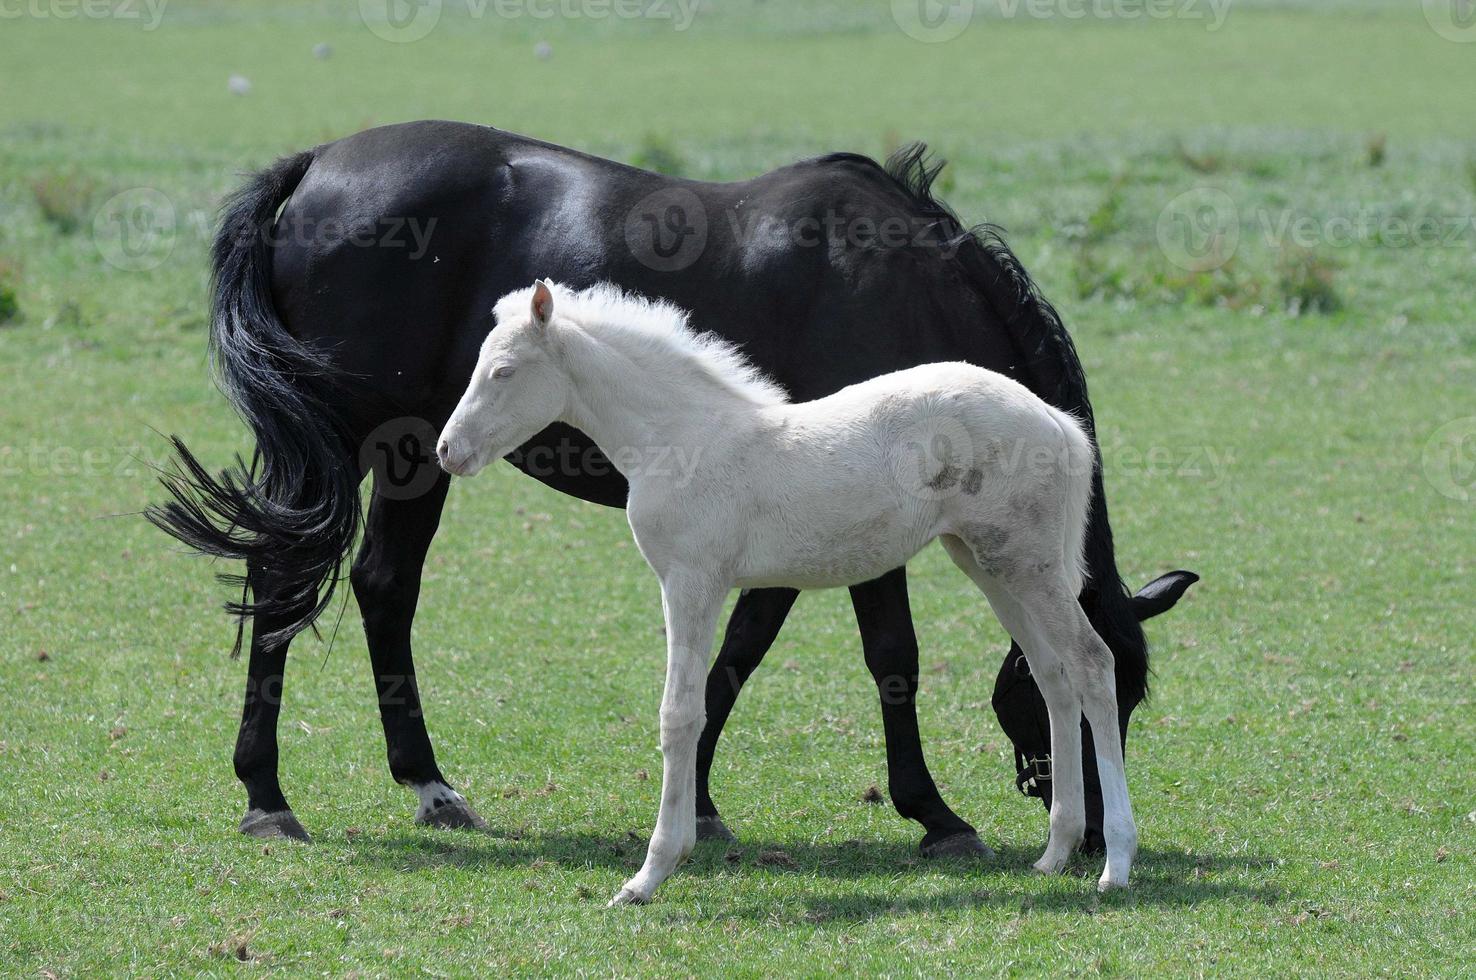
[653,333]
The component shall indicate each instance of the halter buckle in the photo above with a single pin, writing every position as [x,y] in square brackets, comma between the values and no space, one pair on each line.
[1033,770]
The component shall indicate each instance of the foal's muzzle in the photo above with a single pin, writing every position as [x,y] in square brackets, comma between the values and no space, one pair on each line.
[454,459]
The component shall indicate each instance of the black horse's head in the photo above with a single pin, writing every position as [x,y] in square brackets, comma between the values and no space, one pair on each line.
[1024,718]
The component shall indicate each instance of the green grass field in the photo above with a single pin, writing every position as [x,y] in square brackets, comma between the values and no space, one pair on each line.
[1294,419]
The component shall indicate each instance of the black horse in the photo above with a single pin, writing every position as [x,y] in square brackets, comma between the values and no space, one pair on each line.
[352,287]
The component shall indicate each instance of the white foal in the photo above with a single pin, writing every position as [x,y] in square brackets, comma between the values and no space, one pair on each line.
[824,493]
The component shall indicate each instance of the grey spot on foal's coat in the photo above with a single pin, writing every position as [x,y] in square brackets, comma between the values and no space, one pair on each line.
[945,478]
[972,481]
[1029,507]
[986,537]
[989,543]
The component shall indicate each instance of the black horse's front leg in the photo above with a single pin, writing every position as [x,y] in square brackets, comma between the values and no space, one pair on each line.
[885,618]
[755,622]
[402,520]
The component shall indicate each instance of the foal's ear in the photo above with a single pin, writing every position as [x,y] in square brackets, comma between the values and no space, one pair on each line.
[1160,595]
[543,303]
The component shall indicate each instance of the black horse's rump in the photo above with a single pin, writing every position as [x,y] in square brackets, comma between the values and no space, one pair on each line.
[330,329]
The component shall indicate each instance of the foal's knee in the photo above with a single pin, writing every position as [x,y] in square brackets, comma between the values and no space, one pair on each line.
[681,725]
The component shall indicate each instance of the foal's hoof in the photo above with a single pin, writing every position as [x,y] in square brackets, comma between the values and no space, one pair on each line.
[965,844]
[279,824]
[1106,884]
[627,897]
[455,815]
[713,828]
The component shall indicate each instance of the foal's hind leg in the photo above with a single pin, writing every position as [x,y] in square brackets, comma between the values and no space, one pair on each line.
[1068,809]
[1057,622]
[1091,669]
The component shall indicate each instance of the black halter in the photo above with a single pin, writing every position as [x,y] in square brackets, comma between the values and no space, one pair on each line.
[1023,716]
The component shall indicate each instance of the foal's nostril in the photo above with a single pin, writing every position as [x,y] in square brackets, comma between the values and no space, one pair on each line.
[442,448]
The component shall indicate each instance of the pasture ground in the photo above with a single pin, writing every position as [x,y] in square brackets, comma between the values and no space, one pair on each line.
[1296,425]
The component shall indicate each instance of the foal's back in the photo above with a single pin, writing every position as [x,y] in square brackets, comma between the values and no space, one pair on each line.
[844,488]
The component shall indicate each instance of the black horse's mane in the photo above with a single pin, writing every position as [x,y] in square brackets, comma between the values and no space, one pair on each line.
[1051,362]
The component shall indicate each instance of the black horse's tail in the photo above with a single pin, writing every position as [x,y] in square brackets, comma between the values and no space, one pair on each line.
[1050,368]
[293,513]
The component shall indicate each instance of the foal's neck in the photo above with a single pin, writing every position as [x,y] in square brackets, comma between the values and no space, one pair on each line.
[629,396]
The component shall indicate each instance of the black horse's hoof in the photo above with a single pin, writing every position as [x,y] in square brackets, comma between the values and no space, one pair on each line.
[965,844]
[713,828]
[454,816]
[279,824]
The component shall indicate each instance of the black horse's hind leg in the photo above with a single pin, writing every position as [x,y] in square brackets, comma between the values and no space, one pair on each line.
[267,812]
[386,579]
[755,622]
[890,645]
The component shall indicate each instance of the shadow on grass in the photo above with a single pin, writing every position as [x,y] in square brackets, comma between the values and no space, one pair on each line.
[1160,878]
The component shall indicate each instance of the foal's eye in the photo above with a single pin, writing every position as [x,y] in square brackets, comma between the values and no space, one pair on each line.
[505,371]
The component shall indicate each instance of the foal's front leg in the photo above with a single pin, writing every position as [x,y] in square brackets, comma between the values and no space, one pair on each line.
[691,606]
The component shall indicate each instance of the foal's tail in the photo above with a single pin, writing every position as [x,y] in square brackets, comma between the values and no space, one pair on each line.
[293,513]
[1080,465]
